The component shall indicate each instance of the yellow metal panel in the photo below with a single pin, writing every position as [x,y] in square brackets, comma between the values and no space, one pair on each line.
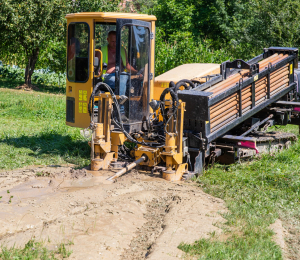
[82,91]
[152,62]
[110,16]
[117,138]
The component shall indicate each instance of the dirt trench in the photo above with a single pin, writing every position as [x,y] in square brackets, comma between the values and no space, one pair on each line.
[141,216]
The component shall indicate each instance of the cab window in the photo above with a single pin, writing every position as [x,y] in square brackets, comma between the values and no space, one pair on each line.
[78,52]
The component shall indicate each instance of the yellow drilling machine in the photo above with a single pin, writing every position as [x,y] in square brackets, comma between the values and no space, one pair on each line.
[181,120]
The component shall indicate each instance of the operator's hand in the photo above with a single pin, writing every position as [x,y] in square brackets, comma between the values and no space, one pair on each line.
[140,73]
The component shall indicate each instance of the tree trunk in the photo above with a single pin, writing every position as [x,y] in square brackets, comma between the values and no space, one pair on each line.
[32,59]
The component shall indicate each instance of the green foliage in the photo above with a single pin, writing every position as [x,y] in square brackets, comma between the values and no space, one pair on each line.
[94,6]
[10,72]
[41,77]
[63,251]
[53,56]
[174,16]
[32,250]
[27,26]
[182,48]
[241,28]
[45,77]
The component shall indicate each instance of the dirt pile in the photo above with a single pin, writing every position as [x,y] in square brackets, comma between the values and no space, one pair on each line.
[139,216]
[27,87]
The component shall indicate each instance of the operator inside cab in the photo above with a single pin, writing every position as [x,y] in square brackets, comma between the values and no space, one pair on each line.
[109,75]
[131,80]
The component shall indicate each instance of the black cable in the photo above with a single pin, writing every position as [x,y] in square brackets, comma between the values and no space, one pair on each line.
[183,83]
[120,123]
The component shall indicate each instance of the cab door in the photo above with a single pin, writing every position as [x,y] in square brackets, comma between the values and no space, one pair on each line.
[79,72]
[133,75]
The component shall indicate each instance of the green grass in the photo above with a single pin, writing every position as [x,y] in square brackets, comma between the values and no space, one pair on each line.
[34,250]
[33,131]
[256,194]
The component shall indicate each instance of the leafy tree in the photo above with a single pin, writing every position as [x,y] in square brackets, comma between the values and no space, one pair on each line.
[94,6]
[28,26]
[182,48]
[258,24]
[36,27]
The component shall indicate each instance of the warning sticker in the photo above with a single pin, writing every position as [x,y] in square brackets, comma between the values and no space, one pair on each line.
[165,85]
[84,95]
[291,68]
[84,108]
[80,107]
[80,95]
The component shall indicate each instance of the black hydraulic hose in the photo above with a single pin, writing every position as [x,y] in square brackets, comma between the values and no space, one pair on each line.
[96,88]
[173,96]
[184,82]
[120,123]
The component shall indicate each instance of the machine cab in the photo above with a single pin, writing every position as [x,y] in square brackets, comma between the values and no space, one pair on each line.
[118,49]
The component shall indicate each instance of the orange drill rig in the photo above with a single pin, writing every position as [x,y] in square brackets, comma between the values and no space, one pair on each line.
[177,122]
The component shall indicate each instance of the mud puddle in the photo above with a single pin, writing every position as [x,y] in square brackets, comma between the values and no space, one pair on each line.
[139,216]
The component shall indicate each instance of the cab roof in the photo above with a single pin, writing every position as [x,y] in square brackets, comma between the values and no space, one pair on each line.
[111,16]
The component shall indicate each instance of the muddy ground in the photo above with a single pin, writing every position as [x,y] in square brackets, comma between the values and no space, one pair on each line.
[139,216]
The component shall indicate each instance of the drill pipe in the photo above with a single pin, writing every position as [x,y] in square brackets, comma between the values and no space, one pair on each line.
[229,120]
[230,83]
[229,100]
[245,94]
[126,169]
[258,97]
[235,78]
[233,97]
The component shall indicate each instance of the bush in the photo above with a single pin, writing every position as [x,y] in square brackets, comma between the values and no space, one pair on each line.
[183,48]
[46,77]
[41,76]
[11,72]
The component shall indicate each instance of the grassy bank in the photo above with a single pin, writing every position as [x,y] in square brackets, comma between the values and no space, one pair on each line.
[256,194]
[33,131]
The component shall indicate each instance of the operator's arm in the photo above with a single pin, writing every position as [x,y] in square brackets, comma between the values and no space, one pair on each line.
[128,66]
[97,54]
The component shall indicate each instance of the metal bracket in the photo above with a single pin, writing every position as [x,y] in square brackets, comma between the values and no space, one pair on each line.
[238,64]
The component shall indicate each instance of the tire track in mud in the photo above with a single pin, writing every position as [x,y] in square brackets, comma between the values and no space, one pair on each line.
[141,245]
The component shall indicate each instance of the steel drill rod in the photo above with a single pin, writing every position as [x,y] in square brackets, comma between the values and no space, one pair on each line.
[230,83]
[246,101]
[232,80]
[227,101]
[263,81]
[231,112]
[224,112]
[127,168]
[234,101]
[257,124]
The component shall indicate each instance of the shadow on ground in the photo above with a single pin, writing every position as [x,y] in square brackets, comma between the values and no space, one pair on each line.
[12,84]
[51,143]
